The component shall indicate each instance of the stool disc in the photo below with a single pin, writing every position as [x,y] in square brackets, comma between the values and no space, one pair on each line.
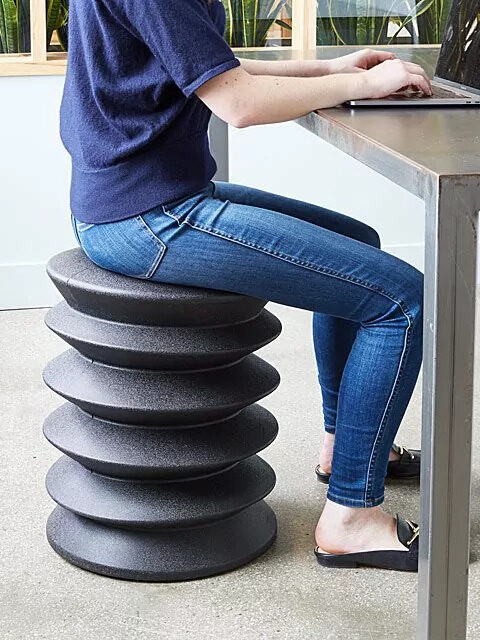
[166,555]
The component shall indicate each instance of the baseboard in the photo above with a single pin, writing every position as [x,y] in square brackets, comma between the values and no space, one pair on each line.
[26,286]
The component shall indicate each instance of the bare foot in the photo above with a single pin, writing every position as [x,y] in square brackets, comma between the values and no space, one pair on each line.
[326,453]
[350,530]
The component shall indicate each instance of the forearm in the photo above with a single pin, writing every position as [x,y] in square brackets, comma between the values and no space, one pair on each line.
[279,99]
[291,68]
[245,100]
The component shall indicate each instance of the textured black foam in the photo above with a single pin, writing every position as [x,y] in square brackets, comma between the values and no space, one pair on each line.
[144,396]
[160,480]
[146,504]
[109,295]
[159,453]
[167,555]
[153,347]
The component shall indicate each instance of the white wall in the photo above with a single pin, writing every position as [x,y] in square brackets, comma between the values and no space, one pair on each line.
[34,184]
[35,175]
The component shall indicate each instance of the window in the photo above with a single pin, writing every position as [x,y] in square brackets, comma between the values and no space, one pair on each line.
[33,33]
[258,24]
[14,26]
[380,22]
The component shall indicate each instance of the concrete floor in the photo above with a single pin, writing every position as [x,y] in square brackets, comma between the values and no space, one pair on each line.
[285,594]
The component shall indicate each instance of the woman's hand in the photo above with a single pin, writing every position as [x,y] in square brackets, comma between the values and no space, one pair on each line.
[359,61]
[391,76]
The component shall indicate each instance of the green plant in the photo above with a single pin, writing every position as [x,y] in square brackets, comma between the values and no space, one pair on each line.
[15,23]
[57,16]
[358,25]
[62,30]
[431,23]
[14,26]
[460,59]
[362,22]
[248,21]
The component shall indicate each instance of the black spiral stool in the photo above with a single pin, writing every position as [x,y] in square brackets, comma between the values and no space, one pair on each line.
[160,480]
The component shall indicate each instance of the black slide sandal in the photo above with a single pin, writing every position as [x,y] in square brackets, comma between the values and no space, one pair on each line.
[321,475]
[407,560]
[406,468]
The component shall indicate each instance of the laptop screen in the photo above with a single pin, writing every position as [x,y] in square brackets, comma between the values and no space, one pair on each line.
[459,59]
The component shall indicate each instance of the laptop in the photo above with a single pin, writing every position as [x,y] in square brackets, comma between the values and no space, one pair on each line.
[457,76]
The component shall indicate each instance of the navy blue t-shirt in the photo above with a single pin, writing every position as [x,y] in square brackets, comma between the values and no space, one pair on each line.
[129,118]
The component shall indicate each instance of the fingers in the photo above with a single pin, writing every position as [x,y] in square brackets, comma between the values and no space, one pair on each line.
[392,75]
[416,69]
[419,82]
[381,56]
[415,72]
[374,57]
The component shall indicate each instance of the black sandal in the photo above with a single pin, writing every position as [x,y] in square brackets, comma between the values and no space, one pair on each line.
[406,468]
[407,560]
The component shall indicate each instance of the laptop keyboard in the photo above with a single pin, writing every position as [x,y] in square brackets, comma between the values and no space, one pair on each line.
[438,92]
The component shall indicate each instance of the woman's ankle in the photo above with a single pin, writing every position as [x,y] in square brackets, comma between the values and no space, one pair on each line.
[326,453]
[338,515]
[325,457]
[344,529]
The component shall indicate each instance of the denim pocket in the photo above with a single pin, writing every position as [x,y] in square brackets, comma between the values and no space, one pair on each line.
[126,246]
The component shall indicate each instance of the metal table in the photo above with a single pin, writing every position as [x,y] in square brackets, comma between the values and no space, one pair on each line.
[434,154]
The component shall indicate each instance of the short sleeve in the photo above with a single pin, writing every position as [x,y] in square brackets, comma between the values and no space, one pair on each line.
[183,35]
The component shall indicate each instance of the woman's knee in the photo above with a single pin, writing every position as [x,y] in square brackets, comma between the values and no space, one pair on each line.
[366,234]
[405,305]
[415,295]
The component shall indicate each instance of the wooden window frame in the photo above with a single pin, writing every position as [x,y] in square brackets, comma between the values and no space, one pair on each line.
[38,61]
[304,25]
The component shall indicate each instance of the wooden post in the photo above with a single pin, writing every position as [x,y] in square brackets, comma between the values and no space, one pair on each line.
[304,25]
[38,26]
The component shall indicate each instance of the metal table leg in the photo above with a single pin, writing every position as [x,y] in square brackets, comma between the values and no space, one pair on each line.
[218,134]
[450,275]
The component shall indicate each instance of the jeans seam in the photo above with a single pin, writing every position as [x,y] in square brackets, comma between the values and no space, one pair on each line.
[386,412]
[161,251]
[170,215]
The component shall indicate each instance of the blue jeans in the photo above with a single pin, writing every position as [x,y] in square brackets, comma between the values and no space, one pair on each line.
[367,304]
